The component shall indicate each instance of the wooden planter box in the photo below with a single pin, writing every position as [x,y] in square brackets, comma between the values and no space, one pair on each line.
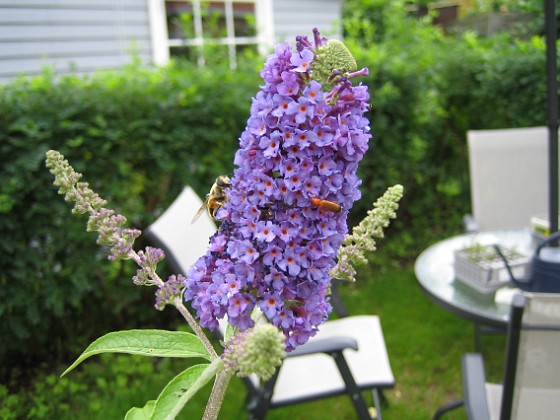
[481,268]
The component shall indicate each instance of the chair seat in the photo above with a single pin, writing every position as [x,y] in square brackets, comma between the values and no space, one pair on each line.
[317,375]
[494,399]
[540,404]
[547,402]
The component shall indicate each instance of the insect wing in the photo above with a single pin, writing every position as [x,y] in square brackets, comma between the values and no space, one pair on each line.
[330,206]
[326,205]
[199,211]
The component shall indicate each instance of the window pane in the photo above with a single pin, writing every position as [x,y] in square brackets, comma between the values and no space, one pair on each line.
[242,49]
[213,20]
[188,53]
[187,24]
[244,19]
[180,23]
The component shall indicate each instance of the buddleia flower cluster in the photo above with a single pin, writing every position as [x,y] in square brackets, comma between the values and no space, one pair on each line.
[294,182]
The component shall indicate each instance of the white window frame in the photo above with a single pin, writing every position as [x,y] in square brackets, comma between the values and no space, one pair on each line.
[161,43]
[158,32]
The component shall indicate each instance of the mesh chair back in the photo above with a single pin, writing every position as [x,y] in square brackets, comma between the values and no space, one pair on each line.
[173,231]
[509,176]
[537,382]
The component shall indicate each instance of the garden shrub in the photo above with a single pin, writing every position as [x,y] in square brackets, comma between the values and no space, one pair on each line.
[138,136]
[427,90]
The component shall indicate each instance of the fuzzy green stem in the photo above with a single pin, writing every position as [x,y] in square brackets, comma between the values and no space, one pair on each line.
[217,396]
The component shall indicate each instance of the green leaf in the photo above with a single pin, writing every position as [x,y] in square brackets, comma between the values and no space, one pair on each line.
[230,330]
[155,343]
[144,413]
[181,389]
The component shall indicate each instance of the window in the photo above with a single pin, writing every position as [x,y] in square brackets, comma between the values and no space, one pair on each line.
[211,30]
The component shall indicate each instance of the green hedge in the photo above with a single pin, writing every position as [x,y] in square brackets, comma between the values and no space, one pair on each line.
[427,91]
[139,135]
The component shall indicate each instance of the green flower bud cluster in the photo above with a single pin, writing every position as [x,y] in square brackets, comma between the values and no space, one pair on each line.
[334,55]
[362,240]
[67,181]
[258,350]
[110,228]
[104,221]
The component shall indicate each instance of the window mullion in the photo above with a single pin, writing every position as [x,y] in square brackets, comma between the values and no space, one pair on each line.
[199,35]
[228,6]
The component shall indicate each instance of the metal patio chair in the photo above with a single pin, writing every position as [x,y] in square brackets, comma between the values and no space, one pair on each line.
[531,383]
[347,356]
[509,184]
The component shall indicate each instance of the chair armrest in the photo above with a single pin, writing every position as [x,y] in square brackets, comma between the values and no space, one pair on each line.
[326,345]
[474,380]
[471,225]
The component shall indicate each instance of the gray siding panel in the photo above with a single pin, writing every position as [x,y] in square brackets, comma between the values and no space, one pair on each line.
[87,63]
[77,16]
[71,35]
[78,4]
[299,17]
[75,48]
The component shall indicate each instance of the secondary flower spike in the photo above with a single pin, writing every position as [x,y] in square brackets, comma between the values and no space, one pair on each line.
[294,182]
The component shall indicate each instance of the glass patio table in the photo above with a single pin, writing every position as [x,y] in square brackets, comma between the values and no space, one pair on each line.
[436,275]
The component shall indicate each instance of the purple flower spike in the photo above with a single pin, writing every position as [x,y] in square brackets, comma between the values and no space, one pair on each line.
[290,194]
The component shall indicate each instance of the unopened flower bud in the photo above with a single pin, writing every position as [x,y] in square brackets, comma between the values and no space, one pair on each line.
[333,55]
[258,350]
[170,290]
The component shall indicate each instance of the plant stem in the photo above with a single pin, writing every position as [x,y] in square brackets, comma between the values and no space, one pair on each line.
[178,303]
[217,396]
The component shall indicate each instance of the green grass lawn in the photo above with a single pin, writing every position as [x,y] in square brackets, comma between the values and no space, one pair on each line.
[425,345]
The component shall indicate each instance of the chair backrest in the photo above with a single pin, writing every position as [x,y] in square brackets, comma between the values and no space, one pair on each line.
[183,242]
[509,176]
[532,381]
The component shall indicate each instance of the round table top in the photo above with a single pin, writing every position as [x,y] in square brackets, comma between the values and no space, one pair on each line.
[436,275]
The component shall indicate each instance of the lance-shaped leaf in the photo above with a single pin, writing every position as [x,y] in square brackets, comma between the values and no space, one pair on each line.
[182,388]
[155,343]
[144,413]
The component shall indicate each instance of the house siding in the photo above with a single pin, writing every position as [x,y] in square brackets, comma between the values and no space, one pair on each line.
[81,36]
[299,17]
[77,36]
